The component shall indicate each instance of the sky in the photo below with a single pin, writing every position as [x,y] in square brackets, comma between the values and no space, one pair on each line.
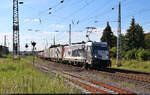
[40,19]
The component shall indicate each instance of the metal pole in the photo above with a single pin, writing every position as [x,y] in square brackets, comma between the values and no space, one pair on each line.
[5,44]
[54,40]
[33,44]
[119,56]
[69,34]
[16,42]
[5,40]
[33,55]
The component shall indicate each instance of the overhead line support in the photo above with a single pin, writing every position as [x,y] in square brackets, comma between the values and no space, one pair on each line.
[119,43]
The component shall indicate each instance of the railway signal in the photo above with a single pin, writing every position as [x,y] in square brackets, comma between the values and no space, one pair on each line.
[26,46]
[33,53]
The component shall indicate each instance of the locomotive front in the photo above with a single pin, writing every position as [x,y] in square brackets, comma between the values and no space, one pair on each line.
[100,54]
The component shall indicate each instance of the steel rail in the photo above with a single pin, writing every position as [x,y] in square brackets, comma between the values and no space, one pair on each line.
[89,87]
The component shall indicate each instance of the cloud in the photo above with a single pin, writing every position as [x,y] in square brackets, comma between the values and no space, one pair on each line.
[146,31]
[47,32]
[57,26]
[32,20]
[26,20]
[114,30]
[36,20]
[148,24]
[98,30]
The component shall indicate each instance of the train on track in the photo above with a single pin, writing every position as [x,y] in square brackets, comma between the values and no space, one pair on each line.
[86,54]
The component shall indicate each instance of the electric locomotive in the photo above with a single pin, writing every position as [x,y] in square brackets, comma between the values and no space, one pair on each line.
[89,54]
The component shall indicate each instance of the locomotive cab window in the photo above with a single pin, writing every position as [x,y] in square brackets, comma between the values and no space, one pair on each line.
[97,49]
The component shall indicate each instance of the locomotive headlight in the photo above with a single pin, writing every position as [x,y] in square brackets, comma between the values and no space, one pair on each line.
[95,56]
[107,57]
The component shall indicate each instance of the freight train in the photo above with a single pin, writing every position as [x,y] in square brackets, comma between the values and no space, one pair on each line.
[86,54]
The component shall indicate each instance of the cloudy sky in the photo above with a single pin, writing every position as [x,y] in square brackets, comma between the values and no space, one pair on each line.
[39,19]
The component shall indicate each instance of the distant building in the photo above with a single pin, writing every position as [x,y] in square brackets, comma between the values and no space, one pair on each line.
[3,50]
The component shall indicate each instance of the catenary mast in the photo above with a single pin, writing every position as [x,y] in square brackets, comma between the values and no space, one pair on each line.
[16,40]
[119,56]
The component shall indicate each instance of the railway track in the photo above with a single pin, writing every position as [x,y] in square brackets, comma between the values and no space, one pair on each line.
[127,74]
[91,86]
[143,77]
[138,76]
[129,71]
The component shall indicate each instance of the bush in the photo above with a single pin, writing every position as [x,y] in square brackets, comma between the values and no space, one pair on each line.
[123,53]
[131,54]
[113,52]
[143,55]
[140,54]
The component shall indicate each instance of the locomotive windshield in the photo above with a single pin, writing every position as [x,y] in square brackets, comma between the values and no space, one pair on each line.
[99,50]
[95,48]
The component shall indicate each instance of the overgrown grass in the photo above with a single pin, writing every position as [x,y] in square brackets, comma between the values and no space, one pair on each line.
[24,78]
[133,65]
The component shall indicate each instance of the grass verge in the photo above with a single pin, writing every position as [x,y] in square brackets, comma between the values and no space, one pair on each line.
[24,78]
[133,65]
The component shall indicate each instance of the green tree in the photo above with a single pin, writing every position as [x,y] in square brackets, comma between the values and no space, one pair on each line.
[140,37]
[147,41]
[109,37]
[134,37]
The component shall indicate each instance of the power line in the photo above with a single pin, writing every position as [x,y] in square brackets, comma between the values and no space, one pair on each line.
[85,19]
[78,10]
[139,12]
[50,8]
[101,14]
[59,9]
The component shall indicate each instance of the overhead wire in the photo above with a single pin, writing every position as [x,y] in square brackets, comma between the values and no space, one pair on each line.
[136,12]
[44,11]
[106,4]
[78,10]
[62,7]
[48,9]
[85,19]
[73,3]
[99,15]
[139,12]
[53,9]
[92,16]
